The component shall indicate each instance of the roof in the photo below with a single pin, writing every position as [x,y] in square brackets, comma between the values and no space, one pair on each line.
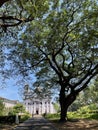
[8,100]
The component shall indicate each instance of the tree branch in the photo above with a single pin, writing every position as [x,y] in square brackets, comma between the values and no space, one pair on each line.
[51,64]
[18,21]
[86,83]
[89,72]
[63,64]
[2,2]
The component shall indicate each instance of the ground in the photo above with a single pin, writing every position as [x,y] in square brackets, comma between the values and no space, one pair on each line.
[7,126]
[81,124]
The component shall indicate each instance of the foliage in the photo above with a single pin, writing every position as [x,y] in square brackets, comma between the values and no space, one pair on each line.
[25,116]
[7,119]
[52,116]
[17,12]
[18,108]
[91,93]
[7,111]
[86,112]
[1,107]
[56,107]
[88,109]
[87,97]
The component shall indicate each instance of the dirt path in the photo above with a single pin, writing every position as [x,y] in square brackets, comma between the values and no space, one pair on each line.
[37,122]
[82,124]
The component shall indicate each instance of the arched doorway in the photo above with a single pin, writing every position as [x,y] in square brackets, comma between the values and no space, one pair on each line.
[37,111]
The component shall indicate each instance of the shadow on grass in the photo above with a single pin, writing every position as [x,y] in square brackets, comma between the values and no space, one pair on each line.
[76,124]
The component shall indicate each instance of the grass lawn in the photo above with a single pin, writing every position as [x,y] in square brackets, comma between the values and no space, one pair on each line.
[79,120]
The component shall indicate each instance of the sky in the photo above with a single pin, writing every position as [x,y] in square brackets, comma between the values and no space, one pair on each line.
[10,90]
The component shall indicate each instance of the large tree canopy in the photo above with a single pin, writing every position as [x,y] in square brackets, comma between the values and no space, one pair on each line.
[17,12]
[61,46]
[14,17]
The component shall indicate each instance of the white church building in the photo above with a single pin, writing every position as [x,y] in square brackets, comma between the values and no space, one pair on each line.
[35,104]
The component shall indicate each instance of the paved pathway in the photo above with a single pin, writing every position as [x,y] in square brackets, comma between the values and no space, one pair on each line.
[36,123]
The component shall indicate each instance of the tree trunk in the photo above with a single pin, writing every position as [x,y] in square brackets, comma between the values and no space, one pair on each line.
[63,115]
[65,102]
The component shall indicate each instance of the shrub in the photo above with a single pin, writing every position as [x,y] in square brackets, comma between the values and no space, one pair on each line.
[93,116]
[24,117]
[52,116]
[7,119]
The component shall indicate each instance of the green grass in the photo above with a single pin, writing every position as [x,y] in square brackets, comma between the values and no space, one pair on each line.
[86,112]
[77,115]
[74,115]
[52,116]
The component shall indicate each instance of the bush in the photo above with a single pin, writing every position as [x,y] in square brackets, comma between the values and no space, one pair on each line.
[7,119]
[11,113]
[93,116]
[88,109]
[83,110]
[25,117]
[52,116]
[86,112]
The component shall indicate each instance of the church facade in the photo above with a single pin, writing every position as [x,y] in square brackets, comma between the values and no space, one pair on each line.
[37,104]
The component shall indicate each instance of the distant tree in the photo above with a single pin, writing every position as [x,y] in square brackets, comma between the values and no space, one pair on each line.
[61,47]
[88,96]
[1,107]
[91,93]
[56,107]
[18,108]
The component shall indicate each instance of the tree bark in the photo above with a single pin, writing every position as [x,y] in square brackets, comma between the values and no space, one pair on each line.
[65,102]
[63,116]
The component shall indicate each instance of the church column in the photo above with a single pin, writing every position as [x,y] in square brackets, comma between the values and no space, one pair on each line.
[50,104]
[40,107]
[47,107]
[34,107]
[43,107]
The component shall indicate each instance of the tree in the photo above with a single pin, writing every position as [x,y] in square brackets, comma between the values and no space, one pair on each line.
[61,47]
[14,15]
[17,12]
[1,107]
[18,108]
